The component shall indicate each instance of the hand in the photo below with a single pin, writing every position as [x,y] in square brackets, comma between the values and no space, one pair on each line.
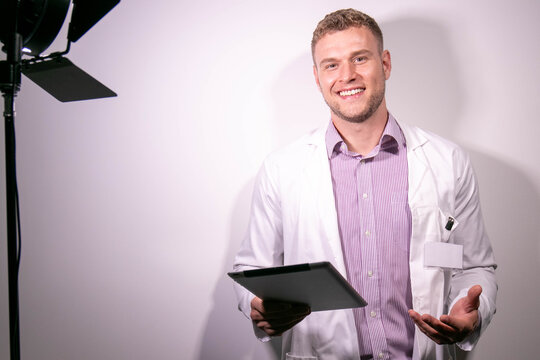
[274,318]
[456,326]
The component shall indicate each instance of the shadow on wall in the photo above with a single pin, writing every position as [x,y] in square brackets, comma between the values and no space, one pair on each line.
[511,205]
[228,333]
[424,88]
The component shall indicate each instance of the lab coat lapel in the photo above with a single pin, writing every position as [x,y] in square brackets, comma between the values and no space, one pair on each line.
[319,170]
[418,166]
[425,283]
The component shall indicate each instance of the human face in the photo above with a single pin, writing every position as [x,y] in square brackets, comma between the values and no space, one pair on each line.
[351,73]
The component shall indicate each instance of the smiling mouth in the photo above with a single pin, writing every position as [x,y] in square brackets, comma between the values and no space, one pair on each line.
[350,92]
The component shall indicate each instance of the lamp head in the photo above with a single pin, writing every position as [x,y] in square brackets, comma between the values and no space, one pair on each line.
[31,26]
[40,21]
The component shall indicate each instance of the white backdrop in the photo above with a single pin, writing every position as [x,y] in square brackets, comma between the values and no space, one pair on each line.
[133,207]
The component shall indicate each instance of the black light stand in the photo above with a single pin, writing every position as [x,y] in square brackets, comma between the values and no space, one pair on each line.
[36,23]
[10,82]
[12,229]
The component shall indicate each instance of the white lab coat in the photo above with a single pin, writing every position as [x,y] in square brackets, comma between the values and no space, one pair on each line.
[294,220]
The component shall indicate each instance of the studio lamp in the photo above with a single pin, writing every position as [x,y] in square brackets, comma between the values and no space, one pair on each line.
[39,22]
[27,29]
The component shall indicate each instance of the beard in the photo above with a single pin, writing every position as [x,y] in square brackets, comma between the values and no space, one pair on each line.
[373,103]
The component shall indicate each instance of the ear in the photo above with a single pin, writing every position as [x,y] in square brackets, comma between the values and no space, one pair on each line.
[387,64]
[316,75]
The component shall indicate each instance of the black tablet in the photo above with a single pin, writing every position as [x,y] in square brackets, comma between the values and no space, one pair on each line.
[318,285]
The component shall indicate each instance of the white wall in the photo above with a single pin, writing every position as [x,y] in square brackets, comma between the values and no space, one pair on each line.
[133,207]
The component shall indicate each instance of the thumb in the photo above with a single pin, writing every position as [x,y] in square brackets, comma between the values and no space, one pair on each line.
[473,297]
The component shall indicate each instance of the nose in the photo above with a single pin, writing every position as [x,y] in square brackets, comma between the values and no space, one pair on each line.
[347,73]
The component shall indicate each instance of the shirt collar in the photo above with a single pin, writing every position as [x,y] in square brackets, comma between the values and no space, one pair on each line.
[392,138]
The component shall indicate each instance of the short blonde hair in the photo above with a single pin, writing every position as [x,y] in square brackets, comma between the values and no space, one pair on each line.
[342,20]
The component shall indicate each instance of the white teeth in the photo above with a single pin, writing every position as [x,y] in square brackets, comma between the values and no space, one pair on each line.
[350,92]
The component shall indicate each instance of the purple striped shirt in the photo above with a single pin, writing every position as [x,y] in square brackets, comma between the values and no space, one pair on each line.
[375,227]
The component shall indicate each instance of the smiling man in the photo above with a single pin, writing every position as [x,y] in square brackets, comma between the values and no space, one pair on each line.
[395,209]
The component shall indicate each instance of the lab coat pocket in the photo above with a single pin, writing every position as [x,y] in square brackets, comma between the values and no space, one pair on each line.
[443,255]
[288,356]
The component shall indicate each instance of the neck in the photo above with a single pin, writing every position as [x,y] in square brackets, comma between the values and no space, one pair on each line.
[362,137]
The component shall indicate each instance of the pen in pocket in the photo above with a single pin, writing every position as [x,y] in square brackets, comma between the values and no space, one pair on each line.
[449,223]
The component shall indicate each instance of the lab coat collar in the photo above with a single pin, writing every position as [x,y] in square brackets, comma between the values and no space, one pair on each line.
[413,138]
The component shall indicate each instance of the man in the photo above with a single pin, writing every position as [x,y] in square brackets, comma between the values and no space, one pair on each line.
[395,209]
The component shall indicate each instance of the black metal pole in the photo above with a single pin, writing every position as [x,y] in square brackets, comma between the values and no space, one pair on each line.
[10,82]
[11,206]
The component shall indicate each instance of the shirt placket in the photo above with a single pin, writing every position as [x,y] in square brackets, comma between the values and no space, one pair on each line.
[369,259]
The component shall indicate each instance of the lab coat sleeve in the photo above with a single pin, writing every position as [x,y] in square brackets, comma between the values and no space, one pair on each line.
[478,261]
[263,243]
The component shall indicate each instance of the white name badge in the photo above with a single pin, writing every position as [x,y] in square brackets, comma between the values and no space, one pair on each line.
[444,255]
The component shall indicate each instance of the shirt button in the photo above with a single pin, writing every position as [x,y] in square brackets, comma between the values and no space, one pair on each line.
[373,314]
[364,196]
[370,273]
[367,233]
[381,355]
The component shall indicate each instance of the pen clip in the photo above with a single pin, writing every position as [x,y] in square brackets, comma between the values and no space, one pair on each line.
[449,223]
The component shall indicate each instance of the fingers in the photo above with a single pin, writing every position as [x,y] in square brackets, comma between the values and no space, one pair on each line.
[269,307]
[265,310]
[275,329]
[447,329]
[464,314]
[274,318]
[433,328]
[296,311]
[464,324]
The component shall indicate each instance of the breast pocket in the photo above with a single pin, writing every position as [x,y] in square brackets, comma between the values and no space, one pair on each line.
[443,253]
[289,356]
